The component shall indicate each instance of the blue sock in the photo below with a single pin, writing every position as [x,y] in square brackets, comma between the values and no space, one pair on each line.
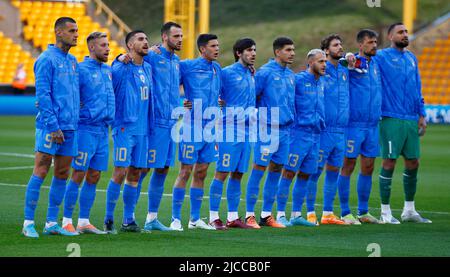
[32,196]
[312,191]
[87,197]
[270,190]
[177,202]
[139,186]
[155,191]
[55,198]
[129,202]
[343,185]
[298,194]
[283,194]
[70,198]
[196,203]
[215,195]
[112,195]
[233,194]
[329,190]
[253,189]
[364,187]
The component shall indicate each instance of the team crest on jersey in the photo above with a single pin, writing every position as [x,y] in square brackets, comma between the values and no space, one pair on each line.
[162,62]
[307,85]
[142,77]
[94,75]
[239,78]
[344,77]
[276,78]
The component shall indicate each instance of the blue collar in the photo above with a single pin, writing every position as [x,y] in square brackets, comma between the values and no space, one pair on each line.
[310,76]
[166,53]
[331,66]
[92,61]
[396,51]
[57,50]
[273,62]
[204,61]
[240,67]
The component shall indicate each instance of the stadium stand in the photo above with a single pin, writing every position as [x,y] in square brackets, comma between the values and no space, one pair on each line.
[38,18]
[434,65]
[12,55]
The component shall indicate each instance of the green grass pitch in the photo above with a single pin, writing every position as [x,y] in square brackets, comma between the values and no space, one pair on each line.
[432,199]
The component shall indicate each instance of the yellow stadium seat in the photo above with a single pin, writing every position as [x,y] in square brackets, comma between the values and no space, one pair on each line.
[39,17]
[16,3]
[26,4]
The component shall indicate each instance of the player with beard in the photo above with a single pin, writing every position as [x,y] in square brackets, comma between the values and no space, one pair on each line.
[161,150]
[305,138]
[58,102]
[134,112]
[332,139]
[403,121]
[362,134]
[96,115]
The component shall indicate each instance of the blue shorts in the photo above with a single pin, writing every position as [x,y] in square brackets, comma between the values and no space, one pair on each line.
[263,153]
[129,150]
[197,152]
[332,149]
[93,150]
[161,148]
[364,141]
[303,152]
[45,144]
[233,157]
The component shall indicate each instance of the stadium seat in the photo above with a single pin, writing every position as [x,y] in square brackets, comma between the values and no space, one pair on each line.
[434,65]
[39,17]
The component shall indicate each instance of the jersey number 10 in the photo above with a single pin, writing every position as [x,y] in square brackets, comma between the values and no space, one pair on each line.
[144,93]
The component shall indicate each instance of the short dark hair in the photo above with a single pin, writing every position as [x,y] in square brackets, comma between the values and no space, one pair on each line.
[280,42]
[365,33]
[392,26]
[131,34]
[325,43]
[61,22]
[96,35]
[203,39]
[240,45]
[166,27]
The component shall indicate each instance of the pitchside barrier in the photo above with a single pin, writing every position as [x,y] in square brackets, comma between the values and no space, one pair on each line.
[25,105]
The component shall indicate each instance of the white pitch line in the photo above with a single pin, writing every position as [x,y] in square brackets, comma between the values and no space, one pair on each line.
[223,198]
[16,167]
[17,155]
